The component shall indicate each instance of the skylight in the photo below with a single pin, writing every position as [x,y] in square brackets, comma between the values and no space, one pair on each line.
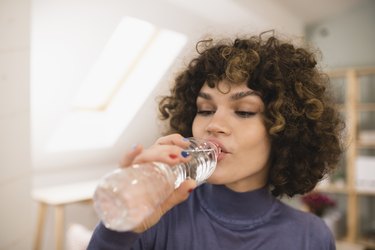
[132,63]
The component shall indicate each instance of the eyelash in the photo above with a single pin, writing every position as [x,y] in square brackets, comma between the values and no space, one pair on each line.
[242,114]
[245,114]
[205,112]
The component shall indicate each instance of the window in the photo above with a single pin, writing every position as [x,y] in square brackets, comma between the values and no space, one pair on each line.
[135,58]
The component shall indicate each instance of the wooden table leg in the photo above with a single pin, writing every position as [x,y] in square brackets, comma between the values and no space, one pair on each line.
[38,238]
[59,227]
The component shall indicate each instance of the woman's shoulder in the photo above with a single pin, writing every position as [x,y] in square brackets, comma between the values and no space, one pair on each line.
[313,225]
[299,215]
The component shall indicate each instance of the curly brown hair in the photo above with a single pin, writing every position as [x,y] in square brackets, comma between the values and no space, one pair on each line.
[304,126]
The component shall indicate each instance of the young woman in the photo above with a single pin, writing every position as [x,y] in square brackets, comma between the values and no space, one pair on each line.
[267,105]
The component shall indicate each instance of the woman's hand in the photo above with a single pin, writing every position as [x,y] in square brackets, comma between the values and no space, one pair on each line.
[167,149]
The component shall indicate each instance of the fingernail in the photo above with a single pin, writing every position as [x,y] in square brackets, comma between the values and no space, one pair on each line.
[185,154]
[134,146]
[190,190]
[185,139]
[173,156]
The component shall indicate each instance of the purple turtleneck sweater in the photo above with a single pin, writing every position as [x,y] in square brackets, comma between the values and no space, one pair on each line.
[215,217]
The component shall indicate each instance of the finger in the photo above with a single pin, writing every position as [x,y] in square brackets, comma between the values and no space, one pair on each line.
[129,157]
[173,139]
[169,154]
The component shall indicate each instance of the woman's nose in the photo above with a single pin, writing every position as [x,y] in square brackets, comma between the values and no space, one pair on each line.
[218,124]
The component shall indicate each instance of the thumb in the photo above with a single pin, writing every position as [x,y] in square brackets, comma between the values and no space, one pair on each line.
[179,195]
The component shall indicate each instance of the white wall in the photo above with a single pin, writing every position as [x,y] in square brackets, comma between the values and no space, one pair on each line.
[15,183]
[348,39]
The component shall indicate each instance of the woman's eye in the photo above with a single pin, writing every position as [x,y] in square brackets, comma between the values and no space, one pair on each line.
[245,114]
[205,112]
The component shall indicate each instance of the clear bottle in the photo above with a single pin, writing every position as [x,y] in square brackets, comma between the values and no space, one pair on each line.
[125,197]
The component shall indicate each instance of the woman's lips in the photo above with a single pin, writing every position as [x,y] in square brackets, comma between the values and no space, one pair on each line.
[222,150]
[221,156]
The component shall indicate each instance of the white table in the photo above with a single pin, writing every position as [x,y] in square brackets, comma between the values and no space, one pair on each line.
[58,197]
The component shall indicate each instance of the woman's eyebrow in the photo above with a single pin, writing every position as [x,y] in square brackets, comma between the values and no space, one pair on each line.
[233,97]
[242,94]
[205,95]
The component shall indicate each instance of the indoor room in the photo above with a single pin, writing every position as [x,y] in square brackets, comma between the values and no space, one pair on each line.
[80,84]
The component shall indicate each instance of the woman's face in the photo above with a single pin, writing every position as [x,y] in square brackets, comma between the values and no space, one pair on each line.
[234,121]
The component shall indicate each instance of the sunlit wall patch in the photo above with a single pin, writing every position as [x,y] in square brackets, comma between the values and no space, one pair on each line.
[130,66]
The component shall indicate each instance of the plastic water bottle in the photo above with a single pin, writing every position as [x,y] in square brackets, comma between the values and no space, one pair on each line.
[125,197]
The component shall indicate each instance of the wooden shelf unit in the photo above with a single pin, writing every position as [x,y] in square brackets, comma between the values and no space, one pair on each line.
[351,105]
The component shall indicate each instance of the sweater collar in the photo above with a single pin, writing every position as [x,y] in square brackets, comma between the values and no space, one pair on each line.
[233,207]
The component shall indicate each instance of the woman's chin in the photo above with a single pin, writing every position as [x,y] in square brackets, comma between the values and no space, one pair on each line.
[215,180]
